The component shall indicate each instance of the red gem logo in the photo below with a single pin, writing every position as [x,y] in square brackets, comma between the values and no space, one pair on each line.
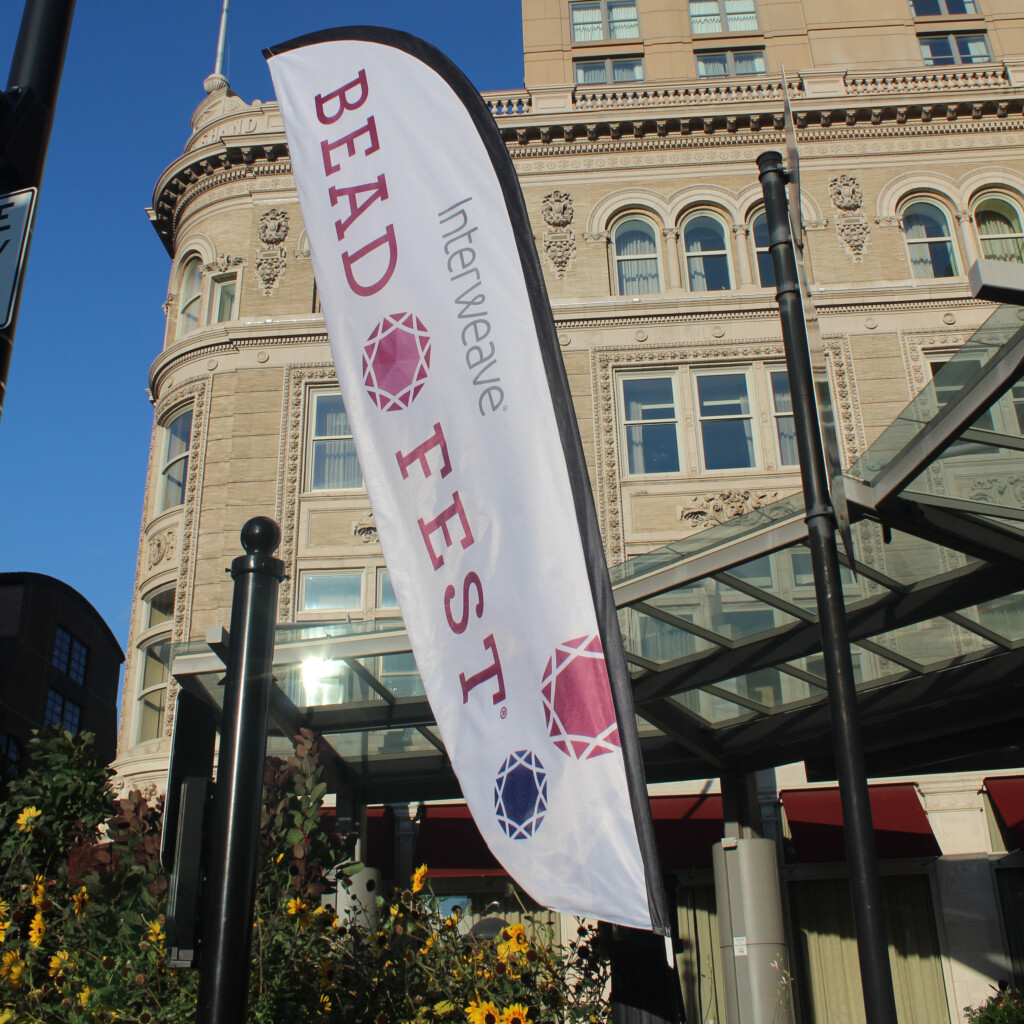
[396,361]
[577,696]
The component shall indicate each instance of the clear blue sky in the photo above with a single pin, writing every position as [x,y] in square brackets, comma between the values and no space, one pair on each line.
[74,437]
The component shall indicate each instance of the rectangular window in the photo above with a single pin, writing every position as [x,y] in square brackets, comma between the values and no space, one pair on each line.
[70,656]
[174,470]
[595,20]
[709,16]
[156,673]
[602,72]
[726,427]
[782,408]
[222,298]
[935,8]
[650,421]
[61,713]
[385,591]
[337,591]
[730,63]
[333,462]
[955,48]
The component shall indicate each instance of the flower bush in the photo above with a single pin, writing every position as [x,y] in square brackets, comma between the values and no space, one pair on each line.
[83,898]
[1005,1007]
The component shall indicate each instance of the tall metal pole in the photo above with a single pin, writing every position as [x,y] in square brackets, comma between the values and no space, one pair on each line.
[26,117]
[865,887]
[231,885]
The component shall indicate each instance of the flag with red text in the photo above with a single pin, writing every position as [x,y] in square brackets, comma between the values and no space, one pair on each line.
[459,406]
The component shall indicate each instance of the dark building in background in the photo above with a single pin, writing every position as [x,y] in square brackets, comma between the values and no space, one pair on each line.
[59,664]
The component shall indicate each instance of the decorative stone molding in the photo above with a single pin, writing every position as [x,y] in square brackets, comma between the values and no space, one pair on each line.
[297,381]
[713,508]
[366,529]
[560,241]
[998,490]
[224,263]
[302,249]
[161,547]
[273,226]
[851,224]
[270,267]
[607,362]
[597,236]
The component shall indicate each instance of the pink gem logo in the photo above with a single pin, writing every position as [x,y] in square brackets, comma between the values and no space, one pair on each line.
[577,696]
[396,361]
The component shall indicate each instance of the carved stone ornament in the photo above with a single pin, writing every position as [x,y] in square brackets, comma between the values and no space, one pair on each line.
[162,547]
[365,529]
[711,509]
[560,241]
[270,267]
[999,490]
[845,193]
[273,229]
[224,263]
[851,225]
[557,209]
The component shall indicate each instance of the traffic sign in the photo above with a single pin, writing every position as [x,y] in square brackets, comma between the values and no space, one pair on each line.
[16,212]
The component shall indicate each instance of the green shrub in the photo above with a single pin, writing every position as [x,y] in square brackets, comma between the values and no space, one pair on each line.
[1005,1007]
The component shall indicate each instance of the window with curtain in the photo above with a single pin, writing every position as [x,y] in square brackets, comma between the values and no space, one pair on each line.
[705,254]
[332,591]
[782,410]
[174,468]
[636,258]
[724,414]
[825,954]
[650,419]
[595,20]
[763,257]
[188,295]
[729,63]
[602,72]
[708,16]
[333,462]
[955,48]
[1000,230]
[929,241]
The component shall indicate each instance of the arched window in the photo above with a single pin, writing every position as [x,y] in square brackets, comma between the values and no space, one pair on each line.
[636,258]
[174,465]
[929,241]
[999,230]
[759,235]
[188,296]
[705,254]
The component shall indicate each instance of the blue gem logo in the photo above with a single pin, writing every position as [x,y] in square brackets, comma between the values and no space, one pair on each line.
[521,794]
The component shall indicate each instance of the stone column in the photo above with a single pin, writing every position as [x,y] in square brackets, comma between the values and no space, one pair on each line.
[740,233]
[968,239]
[671,236]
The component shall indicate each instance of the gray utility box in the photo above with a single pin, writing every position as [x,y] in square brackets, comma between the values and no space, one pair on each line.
[755,960]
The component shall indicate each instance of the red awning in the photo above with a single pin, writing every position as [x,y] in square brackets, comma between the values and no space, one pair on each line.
[1007,793]
[685,829]
[448,842]
[815,819]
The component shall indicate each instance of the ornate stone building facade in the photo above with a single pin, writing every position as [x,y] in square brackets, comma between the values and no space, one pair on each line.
[635,140]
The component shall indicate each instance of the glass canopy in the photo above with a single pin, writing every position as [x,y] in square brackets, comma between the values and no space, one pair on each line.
[721,628]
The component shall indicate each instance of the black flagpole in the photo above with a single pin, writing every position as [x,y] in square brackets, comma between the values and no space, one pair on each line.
[865,886]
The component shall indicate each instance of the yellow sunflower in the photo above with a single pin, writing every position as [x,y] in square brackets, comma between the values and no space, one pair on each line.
[483,1013]
[37,929]
[60,963]
[83,996]
[27,819]
[80,900]
[516,1014]
[156,932]
[417,878]
[38,890]
[12,967]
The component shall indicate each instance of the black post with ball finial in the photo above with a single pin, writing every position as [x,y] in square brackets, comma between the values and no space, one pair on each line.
[231,882]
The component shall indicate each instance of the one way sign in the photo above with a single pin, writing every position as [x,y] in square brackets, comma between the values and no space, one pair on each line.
[16,209]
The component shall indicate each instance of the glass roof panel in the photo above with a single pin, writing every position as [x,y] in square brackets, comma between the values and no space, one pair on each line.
[931,642]
[904,559]
[950,380]
[380,745]
[770,688]
[1004,616]
[656,641]
[718,535]
[709,706]
[316,682]
[292,632]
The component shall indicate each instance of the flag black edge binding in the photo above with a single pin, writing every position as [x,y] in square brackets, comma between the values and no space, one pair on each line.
[565,417]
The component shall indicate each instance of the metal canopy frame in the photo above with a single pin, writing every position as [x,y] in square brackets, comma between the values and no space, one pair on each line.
[721,629]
